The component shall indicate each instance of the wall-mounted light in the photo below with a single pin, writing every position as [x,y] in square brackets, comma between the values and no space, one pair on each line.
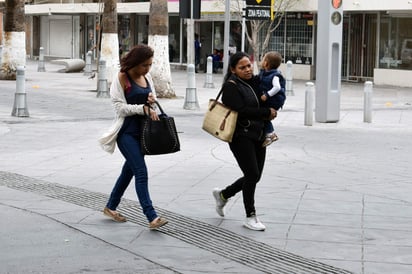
[50,12]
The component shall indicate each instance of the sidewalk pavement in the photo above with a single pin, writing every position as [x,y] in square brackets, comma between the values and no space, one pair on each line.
[334,197]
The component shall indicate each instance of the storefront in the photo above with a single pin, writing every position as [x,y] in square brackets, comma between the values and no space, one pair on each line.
[377,40]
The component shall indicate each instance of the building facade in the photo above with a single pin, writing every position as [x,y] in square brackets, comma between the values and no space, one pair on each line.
[377,35]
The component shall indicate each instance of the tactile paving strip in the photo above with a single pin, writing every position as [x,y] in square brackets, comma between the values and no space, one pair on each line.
[220,241]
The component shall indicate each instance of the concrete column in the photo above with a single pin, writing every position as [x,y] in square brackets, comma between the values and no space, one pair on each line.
[88,68]
[209,76]
[367,102]
[20,98]
[191,101]
[289,78]
[102,88]
[40,66]
[309,95]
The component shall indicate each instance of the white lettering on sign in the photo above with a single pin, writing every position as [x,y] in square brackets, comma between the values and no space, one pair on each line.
[255,13]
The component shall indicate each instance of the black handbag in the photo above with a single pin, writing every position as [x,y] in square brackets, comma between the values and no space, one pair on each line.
[159,137]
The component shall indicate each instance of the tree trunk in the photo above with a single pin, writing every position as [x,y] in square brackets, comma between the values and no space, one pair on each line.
[253,39]
[109,48]
[159,41]
[14,48]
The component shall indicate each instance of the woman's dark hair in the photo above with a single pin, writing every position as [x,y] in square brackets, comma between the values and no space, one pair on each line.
[233,60]
[137,55]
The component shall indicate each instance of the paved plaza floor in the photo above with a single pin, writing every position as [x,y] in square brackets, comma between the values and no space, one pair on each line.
[335,197]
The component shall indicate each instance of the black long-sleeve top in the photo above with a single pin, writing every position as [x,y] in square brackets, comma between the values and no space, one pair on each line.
[242,96]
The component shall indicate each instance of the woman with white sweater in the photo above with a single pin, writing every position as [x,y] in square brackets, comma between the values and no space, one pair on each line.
[132,93]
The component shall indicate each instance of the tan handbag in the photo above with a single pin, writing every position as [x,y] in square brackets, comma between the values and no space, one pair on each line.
[220,121]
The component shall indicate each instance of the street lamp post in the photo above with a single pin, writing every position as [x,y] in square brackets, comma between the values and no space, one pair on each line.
[226,39]
[191,101]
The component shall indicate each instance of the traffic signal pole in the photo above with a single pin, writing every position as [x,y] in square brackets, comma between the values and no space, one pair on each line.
[328,60]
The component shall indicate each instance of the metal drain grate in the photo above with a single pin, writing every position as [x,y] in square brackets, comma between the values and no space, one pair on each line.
[225,243]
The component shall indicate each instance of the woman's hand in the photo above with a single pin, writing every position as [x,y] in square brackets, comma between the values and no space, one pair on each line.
[273,113]
[151,98]
[152,113]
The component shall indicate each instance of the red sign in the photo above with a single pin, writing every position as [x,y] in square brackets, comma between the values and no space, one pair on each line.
[336,3]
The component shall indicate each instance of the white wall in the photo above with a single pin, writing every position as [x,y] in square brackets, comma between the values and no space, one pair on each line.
[56,36]
[301,72]
[375,5]
[361,5]
[392,77]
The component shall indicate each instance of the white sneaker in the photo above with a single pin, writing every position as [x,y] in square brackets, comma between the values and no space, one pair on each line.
[253,223]
[220,203]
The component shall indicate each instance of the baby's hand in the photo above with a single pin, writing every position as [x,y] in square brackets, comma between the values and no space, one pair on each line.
[273,113]
[263,97]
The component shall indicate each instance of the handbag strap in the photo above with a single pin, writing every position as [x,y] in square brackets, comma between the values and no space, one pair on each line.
[158,105]
[160,108]
[219,94]
[221,90]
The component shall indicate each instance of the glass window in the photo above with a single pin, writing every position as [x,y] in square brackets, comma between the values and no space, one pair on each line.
[395,45]
[277,41]
[142,34]
[295,40]
[142,29]
[299,27]
[92,34]
[174,39]
[125,42]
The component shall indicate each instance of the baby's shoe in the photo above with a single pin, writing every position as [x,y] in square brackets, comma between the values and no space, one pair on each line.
[270,138]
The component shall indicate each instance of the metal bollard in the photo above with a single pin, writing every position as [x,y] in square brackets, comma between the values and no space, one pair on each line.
[20,98]
[191,101]
[40,66]
[88,68]
[309,94]
[289,78]
[209,77]
[367,102]
[102,89]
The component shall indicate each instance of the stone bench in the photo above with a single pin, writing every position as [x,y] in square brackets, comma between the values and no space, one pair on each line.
[71,65]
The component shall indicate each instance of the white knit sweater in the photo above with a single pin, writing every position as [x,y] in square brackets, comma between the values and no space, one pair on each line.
[122,109]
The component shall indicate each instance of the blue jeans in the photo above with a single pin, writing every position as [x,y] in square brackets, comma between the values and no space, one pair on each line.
[134,165]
